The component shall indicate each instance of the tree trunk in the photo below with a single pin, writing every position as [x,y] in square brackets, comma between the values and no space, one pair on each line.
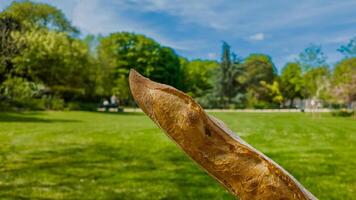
[291,102]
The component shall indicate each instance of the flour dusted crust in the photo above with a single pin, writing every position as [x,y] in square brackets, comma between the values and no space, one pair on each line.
[243,170]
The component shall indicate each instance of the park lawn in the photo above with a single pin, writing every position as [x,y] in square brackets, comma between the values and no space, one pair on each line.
[89,155]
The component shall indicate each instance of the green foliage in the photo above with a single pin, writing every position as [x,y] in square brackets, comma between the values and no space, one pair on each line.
[227,86]
[312,57]
[316,82]
[39,15]
[349,50]
[273,92]
[342,113]
[292,81]
[25,105]
[40,47]
[344,81]
[80,105]
[199,80]
[198,76]
[119,52]
[55,60]
[53,103]
[8,47]
[252,100]
[258,67]
[19,88]
[121,87]
[24,94]
[123,51]
[259,71]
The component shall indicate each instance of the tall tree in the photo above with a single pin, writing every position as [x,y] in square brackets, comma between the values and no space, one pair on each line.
[344,81]
[312,57]
[349,50]
[292,81]
[258,68]
[227,72]
[316,83]
[122,51]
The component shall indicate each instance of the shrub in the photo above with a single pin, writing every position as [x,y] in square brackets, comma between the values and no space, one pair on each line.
[75,105]
[342,113]
[53,103]
[18,88]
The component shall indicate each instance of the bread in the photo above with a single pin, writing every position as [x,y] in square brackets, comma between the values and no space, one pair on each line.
[243,170]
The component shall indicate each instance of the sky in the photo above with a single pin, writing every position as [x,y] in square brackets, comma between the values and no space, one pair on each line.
[196,28]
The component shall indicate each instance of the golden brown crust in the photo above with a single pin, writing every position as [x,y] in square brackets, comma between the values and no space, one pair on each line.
[243,170]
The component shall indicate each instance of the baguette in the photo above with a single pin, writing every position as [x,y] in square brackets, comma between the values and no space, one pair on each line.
[240,168]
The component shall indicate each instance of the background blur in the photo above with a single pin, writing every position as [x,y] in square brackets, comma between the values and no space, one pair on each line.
[281,74]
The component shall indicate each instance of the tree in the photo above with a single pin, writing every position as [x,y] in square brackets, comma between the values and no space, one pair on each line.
[349,50]
[198,76]
[120,52]
[39,15]
[312,57]
[17,88]
[54,59]
[226,76]
[273,92]
[344,81]
[257,68]
[316,82]
[39,53]
[292,81]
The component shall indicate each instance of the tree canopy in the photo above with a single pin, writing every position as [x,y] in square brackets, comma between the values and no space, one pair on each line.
[312,57]
[198,76]
[292,81]
[53,59]
[349,50]
[344,81]
[124,50]
[39,15]
[43,58]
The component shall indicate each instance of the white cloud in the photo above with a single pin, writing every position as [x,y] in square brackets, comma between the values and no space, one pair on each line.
[212,55]
[204,23]
[206,13]
[243,17]
[257,37]
[108,19]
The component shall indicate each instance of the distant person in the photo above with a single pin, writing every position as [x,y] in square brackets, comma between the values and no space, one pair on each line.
[106,103]
[312,103]
[113,101]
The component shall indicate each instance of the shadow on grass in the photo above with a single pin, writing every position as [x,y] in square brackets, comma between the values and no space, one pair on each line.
[29,117]
[106,172]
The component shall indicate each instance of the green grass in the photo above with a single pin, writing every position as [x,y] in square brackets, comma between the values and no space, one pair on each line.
[88,155]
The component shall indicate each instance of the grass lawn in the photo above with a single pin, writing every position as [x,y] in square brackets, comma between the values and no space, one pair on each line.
[88,155]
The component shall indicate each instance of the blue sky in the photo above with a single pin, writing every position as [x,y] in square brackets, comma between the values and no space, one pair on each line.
[195,29]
